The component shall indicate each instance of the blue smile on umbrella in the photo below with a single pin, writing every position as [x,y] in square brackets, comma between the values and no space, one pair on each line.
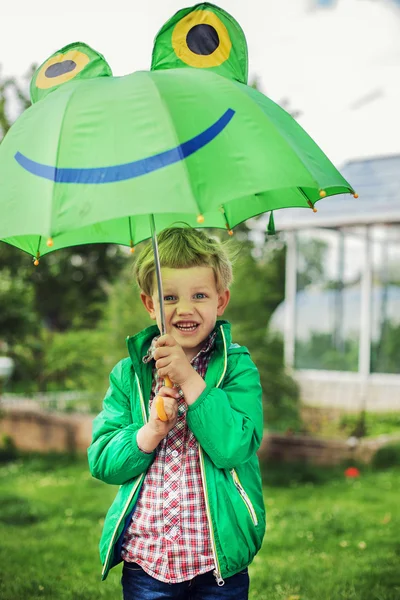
[127,170]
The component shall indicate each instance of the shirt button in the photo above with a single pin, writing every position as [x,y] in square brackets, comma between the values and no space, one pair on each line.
[175,453]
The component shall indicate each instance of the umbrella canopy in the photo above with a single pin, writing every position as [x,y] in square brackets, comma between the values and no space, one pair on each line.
[187,141]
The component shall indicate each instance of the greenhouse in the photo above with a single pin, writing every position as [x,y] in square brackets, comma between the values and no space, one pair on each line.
[341,316]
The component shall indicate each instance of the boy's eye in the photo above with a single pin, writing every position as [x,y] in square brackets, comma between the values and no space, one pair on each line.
[200,296]
[169,298]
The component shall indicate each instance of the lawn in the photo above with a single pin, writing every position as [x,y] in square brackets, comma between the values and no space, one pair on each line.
[327,538]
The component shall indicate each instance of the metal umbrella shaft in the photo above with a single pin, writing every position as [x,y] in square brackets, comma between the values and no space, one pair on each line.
[167,382]
[158,274]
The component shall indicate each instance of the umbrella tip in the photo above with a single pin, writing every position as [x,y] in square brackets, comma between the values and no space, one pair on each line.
[200,219]
[322,193]
[132,247]
[36,262]
[50,242]
[311,205]
[355,195]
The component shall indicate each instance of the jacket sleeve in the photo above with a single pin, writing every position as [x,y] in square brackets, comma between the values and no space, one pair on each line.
[114,456]
[228,421]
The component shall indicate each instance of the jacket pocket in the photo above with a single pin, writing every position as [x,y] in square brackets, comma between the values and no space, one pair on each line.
[244,497]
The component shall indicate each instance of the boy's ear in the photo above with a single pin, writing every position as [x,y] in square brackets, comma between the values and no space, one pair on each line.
[223,299]
[149,305]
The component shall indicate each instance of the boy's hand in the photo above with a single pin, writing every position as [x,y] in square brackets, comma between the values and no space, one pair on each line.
[151,434]
[171,361]
[170,397]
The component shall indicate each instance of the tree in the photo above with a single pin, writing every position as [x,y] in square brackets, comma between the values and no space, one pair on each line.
[258,289]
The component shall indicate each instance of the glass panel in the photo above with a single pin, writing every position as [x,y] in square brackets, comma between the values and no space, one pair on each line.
[329,266]
[385,342]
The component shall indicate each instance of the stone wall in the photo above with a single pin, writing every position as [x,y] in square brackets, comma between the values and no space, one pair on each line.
[317,451]
[39,431]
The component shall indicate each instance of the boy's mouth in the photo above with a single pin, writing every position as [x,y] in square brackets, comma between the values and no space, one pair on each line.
[187,326]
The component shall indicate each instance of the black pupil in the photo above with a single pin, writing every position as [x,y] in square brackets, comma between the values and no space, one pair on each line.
[66,66]
[202,39]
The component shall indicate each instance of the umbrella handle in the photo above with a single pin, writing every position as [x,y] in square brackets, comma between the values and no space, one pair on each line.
[162,415]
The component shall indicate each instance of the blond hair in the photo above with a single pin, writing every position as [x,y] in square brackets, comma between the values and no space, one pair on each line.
[182,248]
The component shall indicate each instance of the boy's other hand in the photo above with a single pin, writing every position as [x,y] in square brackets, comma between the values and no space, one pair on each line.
[171,360]
[170,397]
[155,430]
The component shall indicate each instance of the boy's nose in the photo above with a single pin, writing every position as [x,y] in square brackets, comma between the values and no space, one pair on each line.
[184,308]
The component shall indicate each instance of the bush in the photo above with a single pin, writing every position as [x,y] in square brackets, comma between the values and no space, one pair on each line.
[386,457]
[74,360]
[8,450]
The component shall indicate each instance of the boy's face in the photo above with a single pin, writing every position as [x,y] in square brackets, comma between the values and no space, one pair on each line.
[192,305]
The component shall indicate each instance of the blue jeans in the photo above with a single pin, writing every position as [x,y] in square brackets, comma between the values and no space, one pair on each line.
[138,585]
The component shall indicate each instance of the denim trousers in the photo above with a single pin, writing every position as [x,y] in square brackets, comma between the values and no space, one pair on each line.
[138,585]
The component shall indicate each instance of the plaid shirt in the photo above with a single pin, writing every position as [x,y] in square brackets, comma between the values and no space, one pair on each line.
[169,534]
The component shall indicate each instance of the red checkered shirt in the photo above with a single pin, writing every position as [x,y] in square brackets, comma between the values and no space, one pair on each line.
[169,534]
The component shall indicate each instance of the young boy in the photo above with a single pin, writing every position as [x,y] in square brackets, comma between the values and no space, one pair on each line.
[189,515]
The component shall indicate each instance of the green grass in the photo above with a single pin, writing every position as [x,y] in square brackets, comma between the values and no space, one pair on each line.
[327,538]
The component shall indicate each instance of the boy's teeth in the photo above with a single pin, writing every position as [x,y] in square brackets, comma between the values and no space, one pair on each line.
[187,327]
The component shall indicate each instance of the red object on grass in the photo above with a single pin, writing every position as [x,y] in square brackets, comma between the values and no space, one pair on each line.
[352,472]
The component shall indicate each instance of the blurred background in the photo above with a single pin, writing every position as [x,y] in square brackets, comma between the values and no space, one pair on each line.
[321,317]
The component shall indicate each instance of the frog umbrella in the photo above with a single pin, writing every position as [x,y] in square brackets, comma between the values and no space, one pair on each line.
[98,158]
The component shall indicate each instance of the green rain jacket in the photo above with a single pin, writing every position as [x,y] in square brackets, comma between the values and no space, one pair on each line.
[227,422]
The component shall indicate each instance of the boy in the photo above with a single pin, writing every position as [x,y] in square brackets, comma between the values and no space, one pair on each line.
[189,515]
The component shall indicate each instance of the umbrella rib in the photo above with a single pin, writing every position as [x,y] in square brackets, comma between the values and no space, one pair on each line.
[183,163]
[287,143]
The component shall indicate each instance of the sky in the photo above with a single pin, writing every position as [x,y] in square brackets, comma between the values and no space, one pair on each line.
[338,65]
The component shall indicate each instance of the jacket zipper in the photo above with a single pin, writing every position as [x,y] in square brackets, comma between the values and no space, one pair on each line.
[217,570]
[135,487]
[244,496]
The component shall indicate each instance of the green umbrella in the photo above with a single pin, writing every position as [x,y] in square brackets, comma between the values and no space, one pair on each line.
[98,158]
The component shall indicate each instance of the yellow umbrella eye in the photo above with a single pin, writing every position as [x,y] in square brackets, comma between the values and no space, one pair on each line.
[61,68]
[202,37]
[201,40]
[77,60]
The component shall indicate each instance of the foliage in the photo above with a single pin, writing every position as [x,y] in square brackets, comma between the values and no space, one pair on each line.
[257,290]
[385,353]
[17,315]
[327,538]
[124,314]
[62,361]
[8,450]
[318,352]
[11,88]
[333,423]
[311,256]
[387,457]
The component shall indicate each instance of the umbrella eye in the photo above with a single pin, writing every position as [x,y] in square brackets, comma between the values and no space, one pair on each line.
[204,38]
[201,40]
[71,61]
